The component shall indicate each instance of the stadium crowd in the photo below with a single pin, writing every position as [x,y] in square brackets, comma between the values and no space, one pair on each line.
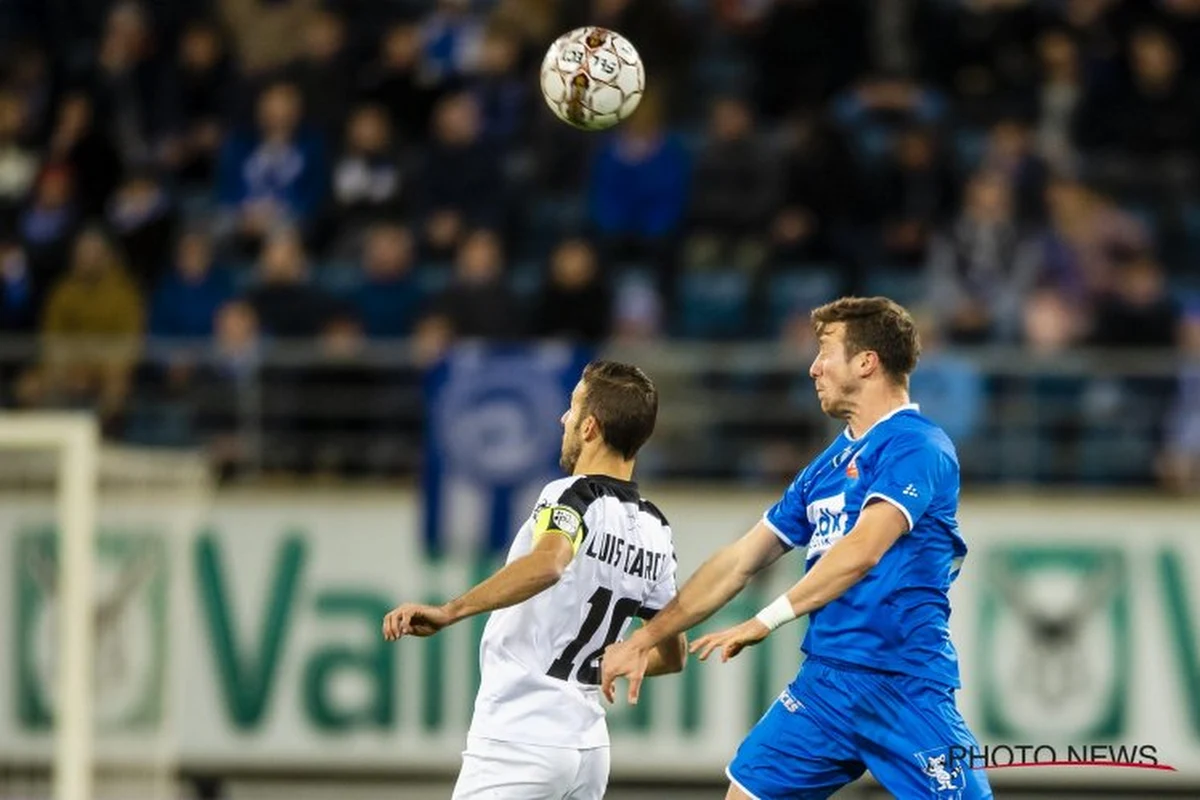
[239,173]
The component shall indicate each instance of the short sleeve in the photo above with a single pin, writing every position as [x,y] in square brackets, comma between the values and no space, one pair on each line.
[663,592]
[906,474]
[788,518]
[560,511]
[561,520]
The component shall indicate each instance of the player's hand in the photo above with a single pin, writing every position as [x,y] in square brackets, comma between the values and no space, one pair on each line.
[414,619]
[628,659]
[731,640]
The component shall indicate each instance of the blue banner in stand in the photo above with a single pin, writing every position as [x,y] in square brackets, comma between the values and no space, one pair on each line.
[493,438]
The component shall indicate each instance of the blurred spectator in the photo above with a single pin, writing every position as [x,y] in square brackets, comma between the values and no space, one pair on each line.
[450,36]
[916,193]
[367,178]
[1098,26]
[821,190]
[1179,464]
[1153,112]
[142,217]
[1058,97]
[340,437]
[478,302]
[324,74]
[389,298]
[275,175]
[286,304]
[735,191]
[48,224]
[92,325]
[81,144]
[807,51]
[195,97]
[27,75]
[638,313]
[1010,153]
[269,33]
[126,81]
[639,184]
[501,93]
[982,267]
[1182,18]
[18,161]
[1085,230]
[1136,311]
[459,184]
[400,84]
[185,303]
[20,297]
[1050,323]
[227,386]
[575,303]
[991,58]
[885,104]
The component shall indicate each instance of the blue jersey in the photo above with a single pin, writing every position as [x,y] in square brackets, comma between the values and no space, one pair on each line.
[897,618]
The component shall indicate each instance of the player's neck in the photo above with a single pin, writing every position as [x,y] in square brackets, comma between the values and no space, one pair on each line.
[872,407]
[604,463]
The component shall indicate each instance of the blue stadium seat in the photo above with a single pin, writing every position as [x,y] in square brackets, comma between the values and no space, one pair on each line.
[714,304]
[905,286]
[526,277]
[798,288]
[969,149]
[550,219]
[433,278]
[338,277]
[1191,227]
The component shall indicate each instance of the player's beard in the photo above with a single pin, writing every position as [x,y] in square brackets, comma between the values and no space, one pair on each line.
[838,401]
[572,448]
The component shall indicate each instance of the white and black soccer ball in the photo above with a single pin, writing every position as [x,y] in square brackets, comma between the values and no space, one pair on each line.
[592,78]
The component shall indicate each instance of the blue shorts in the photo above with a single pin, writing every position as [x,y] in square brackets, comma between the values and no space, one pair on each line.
[835,721]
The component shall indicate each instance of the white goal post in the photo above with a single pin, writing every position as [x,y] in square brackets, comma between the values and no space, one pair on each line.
[75,439]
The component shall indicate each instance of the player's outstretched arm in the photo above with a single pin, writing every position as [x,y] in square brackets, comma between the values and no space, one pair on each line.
[668,656]
[713,585]
[846,563]
[518,581]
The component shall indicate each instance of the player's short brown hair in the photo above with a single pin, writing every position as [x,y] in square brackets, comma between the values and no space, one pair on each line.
[877,324]
[624,402]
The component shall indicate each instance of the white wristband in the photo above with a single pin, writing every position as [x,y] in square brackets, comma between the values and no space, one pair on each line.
[778,613]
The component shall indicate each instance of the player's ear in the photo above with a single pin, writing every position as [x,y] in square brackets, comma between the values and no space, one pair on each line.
[868,363]
[589,429]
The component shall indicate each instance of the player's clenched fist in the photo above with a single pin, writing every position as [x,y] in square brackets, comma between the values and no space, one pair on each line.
[731,640]
[414,619]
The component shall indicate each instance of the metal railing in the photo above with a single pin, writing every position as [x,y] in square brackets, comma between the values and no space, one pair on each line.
[730,412]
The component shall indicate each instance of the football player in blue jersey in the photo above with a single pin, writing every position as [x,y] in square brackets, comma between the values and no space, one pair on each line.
[876,516]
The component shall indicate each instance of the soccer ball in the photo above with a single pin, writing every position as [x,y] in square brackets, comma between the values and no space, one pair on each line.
[592,78]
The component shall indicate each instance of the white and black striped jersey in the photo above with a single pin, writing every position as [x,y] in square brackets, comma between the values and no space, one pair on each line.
[540,659]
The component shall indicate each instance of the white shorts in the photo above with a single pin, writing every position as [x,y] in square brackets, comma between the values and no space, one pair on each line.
[495,770]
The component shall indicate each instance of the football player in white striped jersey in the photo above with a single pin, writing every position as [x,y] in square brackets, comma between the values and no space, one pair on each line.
[592,555]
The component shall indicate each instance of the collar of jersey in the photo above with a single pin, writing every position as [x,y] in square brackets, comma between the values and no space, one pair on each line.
[889,415]
[598,476]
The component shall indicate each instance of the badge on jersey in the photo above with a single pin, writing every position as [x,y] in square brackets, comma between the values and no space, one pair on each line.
[560,519]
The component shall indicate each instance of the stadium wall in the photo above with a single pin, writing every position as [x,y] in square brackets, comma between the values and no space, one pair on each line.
[252,643]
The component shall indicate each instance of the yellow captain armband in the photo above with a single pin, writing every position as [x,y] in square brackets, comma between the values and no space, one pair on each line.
[561,520]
